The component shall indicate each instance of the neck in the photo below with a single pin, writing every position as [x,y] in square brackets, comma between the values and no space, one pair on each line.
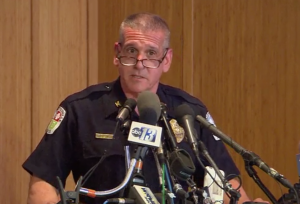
[134,95]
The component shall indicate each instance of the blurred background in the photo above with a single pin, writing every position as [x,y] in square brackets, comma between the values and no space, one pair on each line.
[241,58]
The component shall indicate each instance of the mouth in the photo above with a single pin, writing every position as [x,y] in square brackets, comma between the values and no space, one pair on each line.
[137,76]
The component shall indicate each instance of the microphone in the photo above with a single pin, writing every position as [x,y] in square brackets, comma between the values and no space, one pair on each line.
[169,132]
[185,116]
[247,155]
[140,133]
[145,132]
[149,107]
[293,194]
[124,112]
[127,108]
[181,164]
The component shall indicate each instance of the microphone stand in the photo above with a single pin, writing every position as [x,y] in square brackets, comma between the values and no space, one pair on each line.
[252,173]
[180,193]
[291,197]
[182,165]
[137,178]
[250,159]
[137,188]
[234,194]
[69,196]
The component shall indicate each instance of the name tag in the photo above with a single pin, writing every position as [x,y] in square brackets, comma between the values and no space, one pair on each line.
[104,136]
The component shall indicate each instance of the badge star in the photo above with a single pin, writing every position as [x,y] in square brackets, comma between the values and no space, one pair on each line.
[118,104]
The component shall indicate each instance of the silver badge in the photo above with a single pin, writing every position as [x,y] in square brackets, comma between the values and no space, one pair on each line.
[178,131]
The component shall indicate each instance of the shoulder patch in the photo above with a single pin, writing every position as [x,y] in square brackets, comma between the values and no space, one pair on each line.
[103,87]
[211,120]
[169,90]
[58,117]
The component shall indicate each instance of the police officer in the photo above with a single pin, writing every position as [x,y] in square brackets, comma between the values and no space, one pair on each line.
[80,132]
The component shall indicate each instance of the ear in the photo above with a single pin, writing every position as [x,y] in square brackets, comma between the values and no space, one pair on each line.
[117,50]
[116,61]
[168,60]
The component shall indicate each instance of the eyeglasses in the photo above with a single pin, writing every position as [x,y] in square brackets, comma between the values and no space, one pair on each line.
[148,63]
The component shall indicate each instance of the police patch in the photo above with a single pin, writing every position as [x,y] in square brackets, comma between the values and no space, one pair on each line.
[211,120]
[178,131]
[56,120]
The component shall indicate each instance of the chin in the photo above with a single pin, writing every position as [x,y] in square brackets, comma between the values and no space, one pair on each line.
[137,89]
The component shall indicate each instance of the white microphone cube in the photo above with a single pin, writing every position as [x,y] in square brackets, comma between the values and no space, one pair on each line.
[144,134]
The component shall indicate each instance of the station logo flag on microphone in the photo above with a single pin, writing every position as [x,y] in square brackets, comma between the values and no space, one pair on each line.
[144,134]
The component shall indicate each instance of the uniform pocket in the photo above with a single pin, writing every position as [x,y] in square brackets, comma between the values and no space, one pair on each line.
[100,147]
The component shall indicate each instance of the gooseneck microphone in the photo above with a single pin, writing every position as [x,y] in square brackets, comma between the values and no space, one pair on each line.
[127,108]
[185,116]
[145,134]
[123,114]
[168,130]
[248,156]
[181,163]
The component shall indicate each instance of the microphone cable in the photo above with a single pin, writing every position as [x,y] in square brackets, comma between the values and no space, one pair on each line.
[212,177]
[163,173]
[214,180]
[163,190]
[91,171]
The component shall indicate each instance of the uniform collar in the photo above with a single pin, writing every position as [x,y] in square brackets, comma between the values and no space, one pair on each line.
[161,92]
[115,99]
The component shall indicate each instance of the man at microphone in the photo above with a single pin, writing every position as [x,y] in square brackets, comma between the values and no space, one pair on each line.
[82,129]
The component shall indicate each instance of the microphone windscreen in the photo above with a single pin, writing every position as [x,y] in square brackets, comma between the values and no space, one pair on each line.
[183,110]
[149,107]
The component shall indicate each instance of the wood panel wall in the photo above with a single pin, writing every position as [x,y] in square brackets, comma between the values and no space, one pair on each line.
[15,98]
[241,58]
[44,57]
[247,72]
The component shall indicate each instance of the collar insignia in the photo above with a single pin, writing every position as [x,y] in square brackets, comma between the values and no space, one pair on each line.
[118,104]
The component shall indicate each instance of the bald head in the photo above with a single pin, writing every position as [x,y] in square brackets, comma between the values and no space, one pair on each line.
[145,22]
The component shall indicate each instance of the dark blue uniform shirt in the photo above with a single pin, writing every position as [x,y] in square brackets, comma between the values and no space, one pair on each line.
[74,147]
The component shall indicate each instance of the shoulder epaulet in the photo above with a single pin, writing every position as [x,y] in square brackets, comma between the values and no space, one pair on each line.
[97,88]
[169,90]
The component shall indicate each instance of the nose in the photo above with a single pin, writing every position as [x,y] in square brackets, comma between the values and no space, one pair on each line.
[139,64]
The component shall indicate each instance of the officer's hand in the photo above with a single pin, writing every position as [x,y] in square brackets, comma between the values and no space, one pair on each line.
[261,200]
